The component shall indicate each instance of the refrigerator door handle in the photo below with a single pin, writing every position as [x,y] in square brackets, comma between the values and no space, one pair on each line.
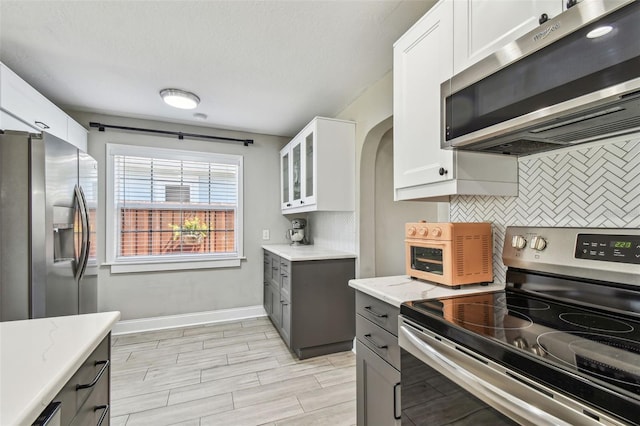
[84,248]
[86,234]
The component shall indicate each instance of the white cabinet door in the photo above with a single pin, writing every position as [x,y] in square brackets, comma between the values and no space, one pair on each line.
[309,167]
[285,178]
[483,26]
[22,101]
[296,171]
[422,59]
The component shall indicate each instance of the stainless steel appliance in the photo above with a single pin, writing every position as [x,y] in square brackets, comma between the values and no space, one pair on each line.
[560,345]
[297,234]
[449,253]
[47,201]
[567,82]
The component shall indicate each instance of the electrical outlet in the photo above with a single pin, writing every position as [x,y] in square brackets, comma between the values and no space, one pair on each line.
[265,234]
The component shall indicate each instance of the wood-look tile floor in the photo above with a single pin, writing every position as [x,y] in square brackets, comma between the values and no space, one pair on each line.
[233,373]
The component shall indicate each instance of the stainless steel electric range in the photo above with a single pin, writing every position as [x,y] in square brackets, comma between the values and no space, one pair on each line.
[560,345]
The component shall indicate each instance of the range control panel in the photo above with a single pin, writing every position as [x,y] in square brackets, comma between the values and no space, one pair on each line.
[609,248]
[603,254]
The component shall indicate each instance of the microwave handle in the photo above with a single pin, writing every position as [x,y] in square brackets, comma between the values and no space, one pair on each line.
[480,387]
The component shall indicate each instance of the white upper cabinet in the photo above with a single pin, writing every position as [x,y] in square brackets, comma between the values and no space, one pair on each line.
[24,108]
[483,26]
[317,168]
[422,60]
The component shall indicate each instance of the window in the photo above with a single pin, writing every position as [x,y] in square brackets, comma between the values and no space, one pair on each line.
[167,207]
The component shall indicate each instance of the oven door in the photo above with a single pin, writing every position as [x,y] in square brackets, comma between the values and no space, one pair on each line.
[428,261]
[443,383]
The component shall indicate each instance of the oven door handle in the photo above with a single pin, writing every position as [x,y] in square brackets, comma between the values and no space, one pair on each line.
[489,392]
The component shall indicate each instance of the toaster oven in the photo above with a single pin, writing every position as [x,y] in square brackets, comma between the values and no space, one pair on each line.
[451,253]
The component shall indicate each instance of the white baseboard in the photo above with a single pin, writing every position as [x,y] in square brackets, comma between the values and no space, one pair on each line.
[184,320]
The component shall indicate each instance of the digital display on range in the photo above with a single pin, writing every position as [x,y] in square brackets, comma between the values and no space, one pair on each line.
[621,244]
[608,248]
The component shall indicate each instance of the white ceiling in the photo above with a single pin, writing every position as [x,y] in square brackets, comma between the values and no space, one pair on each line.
[260,66]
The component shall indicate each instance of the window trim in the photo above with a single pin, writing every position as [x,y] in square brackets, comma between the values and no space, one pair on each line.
[166,263]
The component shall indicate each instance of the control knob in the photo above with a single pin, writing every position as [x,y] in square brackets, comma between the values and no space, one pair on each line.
[436,232]
[519,242]
[411,231]
[538,243]
[424,232]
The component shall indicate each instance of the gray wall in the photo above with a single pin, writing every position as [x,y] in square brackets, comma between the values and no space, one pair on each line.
[145,295]
[391,216]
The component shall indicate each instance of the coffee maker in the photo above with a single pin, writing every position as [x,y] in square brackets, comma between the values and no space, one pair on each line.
[296,233]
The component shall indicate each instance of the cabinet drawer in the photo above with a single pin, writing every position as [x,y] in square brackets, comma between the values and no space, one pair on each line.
[267,267]
[285,278]
[381,313]
[275,269]
[378,340]
[73,398]
[95,410]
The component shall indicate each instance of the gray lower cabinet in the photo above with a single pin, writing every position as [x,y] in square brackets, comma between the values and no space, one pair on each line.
[85,398]
[377,362]
[310,303]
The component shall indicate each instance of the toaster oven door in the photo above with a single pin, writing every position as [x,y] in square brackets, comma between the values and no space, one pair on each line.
[426,258]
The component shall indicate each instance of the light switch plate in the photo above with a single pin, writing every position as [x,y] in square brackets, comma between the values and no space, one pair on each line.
[265,234]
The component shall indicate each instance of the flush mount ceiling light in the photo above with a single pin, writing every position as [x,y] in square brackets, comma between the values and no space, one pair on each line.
[179,98]
[600,31]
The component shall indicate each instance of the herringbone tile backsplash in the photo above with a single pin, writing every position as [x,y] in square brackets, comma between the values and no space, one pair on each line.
[598,186]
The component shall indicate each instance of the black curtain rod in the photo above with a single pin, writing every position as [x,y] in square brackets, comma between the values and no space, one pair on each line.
[180,135]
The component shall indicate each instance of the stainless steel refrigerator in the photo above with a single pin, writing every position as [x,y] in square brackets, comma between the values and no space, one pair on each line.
[48,199]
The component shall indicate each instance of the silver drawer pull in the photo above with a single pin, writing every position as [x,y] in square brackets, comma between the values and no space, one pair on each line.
[105,365]
[105,411]
[374,313]
[368,338]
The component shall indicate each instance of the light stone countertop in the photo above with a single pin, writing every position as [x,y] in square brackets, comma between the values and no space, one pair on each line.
[308,252]
[38,356]
[401,288]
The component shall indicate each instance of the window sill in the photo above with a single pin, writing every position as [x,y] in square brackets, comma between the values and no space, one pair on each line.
[129,267]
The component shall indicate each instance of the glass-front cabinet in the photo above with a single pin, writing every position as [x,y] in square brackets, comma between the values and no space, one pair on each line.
[321,158]
[297,171]
[285,166]
[309,174]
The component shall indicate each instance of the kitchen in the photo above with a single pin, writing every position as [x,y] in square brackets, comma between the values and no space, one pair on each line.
[536,204]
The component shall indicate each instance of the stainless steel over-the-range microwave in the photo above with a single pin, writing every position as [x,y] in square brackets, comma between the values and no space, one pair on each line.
[574,79]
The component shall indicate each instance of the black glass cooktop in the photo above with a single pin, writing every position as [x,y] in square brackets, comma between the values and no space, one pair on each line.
[591,353]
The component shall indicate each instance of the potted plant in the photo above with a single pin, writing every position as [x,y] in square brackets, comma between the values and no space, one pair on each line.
[192,231]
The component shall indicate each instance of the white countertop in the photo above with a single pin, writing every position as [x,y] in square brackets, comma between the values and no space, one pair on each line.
[401,288]
[309,252]
[38,356]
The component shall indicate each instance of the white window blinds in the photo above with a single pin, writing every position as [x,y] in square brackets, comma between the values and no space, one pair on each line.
[175,204]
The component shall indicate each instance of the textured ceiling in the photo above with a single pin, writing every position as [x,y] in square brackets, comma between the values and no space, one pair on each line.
[259,66]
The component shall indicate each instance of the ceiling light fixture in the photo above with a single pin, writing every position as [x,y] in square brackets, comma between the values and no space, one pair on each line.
[179,98]
[600,31]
